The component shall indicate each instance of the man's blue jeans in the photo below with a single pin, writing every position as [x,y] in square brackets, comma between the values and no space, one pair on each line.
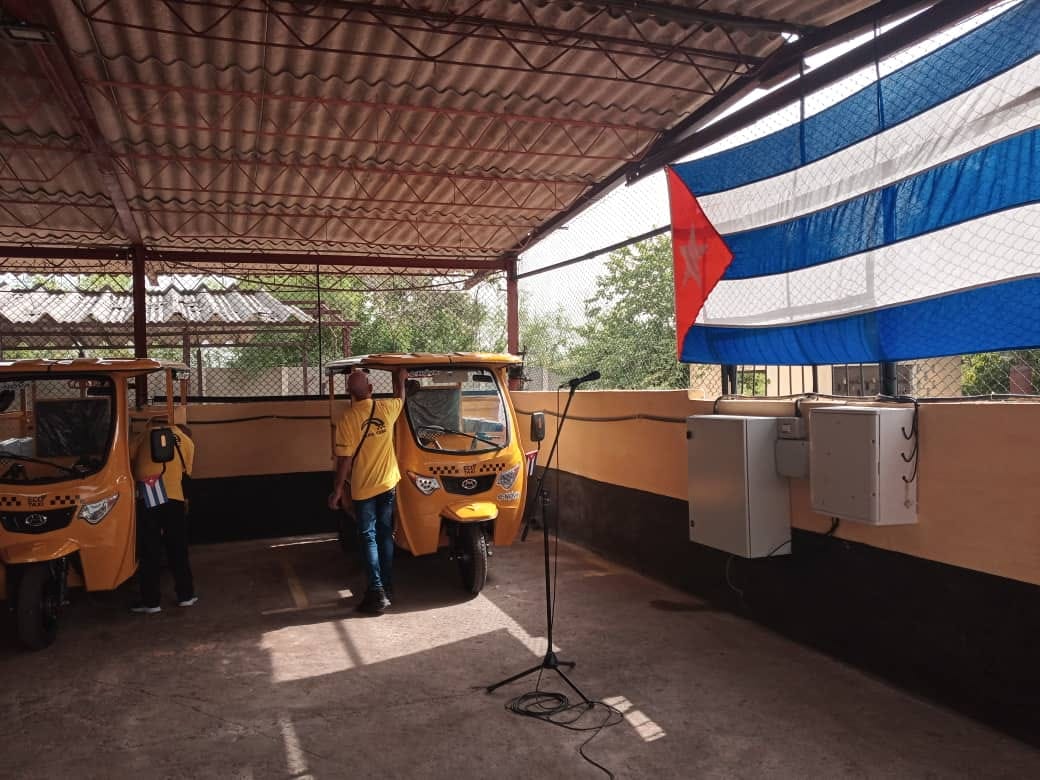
[375,518]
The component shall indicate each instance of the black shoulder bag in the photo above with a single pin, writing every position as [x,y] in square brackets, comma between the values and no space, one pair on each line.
[185,476]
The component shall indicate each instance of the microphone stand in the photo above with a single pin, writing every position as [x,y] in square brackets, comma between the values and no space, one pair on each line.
[550,661]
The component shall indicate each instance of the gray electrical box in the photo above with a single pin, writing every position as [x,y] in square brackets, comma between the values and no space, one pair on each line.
[738,502]
[862,464]
[790,428]
[792,458]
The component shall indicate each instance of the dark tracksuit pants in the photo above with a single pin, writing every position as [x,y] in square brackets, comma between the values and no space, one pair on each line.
[164,525]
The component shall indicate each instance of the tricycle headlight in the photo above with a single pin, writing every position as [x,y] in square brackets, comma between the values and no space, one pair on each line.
[507,478]
[96,511]
[426,485]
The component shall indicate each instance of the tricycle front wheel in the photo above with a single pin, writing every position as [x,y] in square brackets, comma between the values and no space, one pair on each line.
[39,601]
[472,555]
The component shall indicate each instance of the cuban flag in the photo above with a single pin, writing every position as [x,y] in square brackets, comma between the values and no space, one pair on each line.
[901,222]
[152,491]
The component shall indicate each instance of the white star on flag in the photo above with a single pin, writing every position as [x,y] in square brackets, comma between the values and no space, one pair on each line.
[693,252]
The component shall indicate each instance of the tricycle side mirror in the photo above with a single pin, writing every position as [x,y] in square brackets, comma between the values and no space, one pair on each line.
[537,426]
[162,444]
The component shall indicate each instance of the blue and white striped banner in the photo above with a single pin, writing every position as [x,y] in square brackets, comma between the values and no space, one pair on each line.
[902,222]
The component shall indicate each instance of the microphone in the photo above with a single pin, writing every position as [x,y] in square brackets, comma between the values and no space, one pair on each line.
[592,376]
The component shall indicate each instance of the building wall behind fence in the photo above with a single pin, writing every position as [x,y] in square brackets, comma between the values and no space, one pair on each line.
[979,496]
[260,438]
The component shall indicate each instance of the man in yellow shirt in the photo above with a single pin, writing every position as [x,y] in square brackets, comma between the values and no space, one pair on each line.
[164,523]
[366,465]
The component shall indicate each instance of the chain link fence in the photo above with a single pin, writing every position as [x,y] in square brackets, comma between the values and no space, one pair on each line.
[250,331]
[614,313]
[266,333]
[962,376]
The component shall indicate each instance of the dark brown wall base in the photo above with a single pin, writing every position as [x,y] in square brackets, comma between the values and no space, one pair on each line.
[963,638]
[234,508]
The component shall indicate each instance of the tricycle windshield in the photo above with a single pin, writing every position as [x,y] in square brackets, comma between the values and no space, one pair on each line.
[54,428]
[456,410]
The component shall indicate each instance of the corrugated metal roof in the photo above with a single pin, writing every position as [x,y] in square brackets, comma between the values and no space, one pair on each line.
[195,307]
[421,129]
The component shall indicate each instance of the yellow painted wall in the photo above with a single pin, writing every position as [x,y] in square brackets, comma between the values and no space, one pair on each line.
[979,499]
[260,446]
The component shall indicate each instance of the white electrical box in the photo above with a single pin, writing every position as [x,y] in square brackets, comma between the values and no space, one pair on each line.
[863,464]
[738,502]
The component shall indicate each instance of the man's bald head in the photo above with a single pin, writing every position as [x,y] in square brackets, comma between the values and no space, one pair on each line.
[359,386]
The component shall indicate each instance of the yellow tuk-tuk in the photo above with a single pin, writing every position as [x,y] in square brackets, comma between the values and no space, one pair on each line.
[66,492]
[463,466]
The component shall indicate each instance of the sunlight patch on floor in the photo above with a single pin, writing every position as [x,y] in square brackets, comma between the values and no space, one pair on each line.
[330,646]
[645,728]
[295,761]
[299,652]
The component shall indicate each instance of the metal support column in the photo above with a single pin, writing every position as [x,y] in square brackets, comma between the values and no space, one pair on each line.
[140,301]
[888,378]
[512,308]
[200,390]
[347,346]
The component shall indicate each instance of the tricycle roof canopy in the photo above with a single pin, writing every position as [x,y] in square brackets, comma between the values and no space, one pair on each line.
[89,366]
[393,360]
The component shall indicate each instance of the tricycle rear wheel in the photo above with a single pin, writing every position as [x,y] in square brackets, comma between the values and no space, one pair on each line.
[472,555]
[39,600]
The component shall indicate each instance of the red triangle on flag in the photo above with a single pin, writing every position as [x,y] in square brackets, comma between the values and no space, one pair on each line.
[700,256]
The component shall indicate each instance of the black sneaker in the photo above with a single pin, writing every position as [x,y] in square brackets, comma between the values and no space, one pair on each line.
[389,591]
[374,602]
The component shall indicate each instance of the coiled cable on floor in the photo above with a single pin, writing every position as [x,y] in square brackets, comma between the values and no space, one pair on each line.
[555,708]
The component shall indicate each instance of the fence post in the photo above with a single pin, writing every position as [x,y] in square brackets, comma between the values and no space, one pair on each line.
[888,378]
[512,309]
[198,358]
[347,346]
[140,307]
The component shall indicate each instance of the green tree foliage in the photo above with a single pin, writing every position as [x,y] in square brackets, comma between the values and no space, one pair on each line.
[546,337]
[398,318]
[990,372]
[752,382]
[629,329]
[407,320]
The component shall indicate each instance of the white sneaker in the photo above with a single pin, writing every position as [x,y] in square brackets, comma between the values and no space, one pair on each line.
[141,609]
[188,602]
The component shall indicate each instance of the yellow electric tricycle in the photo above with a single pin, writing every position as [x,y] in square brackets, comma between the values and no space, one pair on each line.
[66,491]
[463,465]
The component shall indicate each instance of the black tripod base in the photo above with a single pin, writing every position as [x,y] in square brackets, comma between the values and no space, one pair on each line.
[549,662]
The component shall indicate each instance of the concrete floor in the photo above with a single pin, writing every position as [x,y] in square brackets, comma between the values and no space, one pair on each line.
[272,675]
